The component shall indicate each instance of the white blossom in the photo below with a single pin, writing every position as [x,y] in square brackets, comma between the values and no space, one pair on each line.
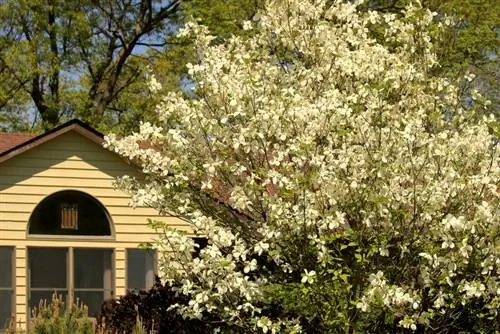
[312,141]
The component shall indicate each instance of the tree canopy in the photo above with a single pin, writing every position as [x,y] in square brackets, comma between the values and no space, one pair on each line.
[469,43]
[341,183]
[90,59]
[76,58]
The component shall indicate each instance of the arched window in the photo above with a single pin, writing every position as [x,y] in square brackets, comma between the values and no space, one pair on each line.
[70,212]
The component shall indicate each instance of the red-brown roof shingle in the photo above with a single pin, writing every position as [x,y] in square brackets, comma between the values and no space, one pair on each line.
[9,140]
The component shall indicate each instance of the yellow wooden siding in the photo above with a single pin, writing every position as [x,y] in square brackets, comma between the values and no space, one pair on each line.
[72,161]
[34,198]
[66,182]
[48,189]
[21,284]
[60,172]
[112,209]
[120,280]
[69,162]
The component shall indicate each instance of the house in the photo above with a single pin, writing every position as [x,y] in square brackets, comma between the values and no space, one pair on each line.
[64,227]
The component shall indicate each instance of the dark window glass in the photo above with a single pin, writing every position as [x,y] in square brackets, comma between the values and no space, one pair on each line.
[70,212]
[93,277]
[6,286]
[6,298]
[6,267]
[140,269]
[92,299]
[48,267]
[47,274]
[202,243]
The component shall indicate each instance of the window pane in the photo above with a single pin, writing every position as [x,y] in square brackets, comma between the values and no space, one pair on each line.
[44,297]
[92,299]
[6,267]
[6,286]
[140,269]
[92,268]
[48,268]
[93,277]
[5,308]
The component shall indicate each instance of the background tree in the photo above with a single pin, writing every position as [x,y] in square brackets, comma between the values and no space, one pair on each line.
[222,17]
[90,59]
[103,90]
[334,173]
[76,58]
[469,42]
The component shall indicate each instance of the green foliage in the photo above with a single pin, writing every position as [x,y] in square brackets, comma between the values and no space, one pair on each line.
[469,40]
[76,58]
[471,44]
[55,318]
[139,328]
[222,17]
[86,64]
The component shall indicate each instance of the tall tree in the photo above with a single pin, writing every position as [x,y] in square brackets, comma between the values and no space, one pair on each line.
[76,57]
[469,43]
[223,18]
[346,185]
[101,59]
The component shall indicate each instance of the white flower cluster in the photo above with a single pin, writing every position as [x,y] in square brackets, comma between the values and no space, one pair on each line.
[312,145]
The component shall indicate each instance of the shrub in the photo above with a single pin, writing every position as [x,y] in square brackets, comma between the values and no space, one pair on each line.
[11,328]
[55,318]
[153,309]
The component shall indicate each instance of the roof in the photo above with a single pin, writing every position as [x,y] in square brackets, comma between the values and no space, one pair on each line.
[13,144]
[9,140]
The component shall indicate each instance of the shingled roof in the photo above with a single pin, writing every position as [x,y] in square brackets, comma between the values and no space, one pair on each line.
[9,140]
[12,144]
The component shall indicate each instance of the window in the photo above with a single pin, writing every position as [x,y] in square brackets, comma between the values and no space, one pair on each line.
[48,269]
[141,264]
[78,274]
[92,277]
[202,243]
[6,285]
[70,212]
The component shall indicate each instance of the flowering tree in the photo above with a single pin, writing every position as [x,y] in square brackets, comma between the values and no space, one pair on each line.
[341,185]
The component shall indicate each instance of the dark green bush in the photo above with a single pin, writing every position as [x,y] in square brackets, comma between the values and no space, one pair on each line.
[152,308]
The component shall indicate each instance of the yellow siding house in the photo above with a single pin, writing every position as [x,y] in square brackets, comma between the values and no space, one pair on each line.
[63,226]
